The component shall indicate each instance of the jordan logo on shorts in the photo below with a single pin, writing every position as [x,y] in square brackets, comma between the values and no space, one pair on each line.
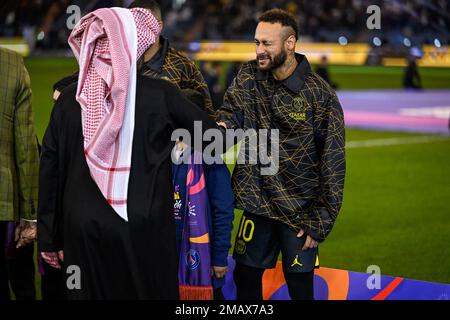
[296,262]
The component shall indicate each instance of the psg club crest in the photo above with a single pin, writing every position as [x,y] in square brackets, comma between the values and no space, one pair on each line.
[192,259]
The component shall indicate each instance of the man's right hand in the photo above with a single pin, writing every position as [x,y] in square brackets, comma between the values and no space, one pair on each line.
[222,124]
[25,233]
[53,258]
[309,242]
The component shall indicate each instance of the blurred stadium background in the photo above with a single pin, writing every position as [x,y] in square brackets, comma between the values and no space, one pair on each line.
[396,211]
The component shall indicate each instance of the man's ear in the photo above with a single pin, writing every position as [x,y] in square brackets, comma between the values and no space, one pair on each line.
[291,42]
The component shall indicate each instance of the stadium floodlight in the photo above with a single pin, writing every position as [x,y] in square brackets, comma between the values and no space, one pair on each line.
[407,42]
[40,36]
[343,41]
[376,41]
[195,46]
[437,43]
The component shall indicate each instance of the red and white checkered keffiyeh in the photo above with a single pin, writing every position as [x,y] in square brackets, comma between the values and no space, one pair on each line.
[107,44]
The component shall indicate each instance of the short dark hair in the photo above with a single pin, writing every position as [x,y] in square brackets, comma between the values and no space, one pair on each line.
[283,17]
[151,5]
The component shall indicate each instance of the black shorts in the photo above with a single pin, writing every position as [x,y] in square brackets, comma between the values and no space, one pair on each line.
[259,241]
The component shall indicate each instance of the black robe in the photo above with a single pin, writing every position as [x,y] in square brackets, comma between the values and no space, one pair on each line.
[117,259]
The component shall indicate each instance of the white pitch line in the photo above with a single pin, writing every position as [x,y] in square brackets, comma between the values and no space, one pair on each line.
[438,112]
[394,141]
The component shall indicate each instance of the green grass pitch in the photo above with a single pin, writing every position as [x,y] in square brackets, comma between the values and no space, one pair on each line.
[396,211]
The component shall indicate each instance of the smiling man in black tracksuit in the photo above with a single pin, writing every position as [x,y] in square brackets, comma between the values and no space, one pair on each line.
[294,209]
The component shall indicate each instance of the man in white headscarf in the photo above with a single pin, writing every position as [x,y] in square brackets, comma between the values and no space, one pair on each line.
[105,195]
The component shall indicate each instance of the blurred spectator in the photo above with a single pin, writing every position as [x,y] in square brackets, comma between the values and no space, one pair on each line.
[232,73]
[322,20]
[411,78]
[421,21]
[211,72]
[42,23]
[322,70]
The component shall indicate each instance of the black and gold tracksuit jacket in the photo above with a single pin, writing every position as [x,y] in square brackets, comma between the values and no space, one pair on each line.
[307,190]
[169,64]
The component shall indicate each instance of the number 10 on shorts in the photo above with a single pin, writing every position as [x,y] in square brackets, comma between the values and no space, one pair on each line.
[246,229]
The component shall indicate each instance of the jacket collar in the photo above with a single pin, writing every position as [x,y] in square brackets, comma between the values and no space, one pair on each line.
[157,61]
[296,80]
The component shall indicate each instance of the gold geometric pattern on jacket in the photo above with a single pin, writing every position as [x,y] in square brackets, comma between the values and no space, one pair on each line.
[180,71]
[307,190]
